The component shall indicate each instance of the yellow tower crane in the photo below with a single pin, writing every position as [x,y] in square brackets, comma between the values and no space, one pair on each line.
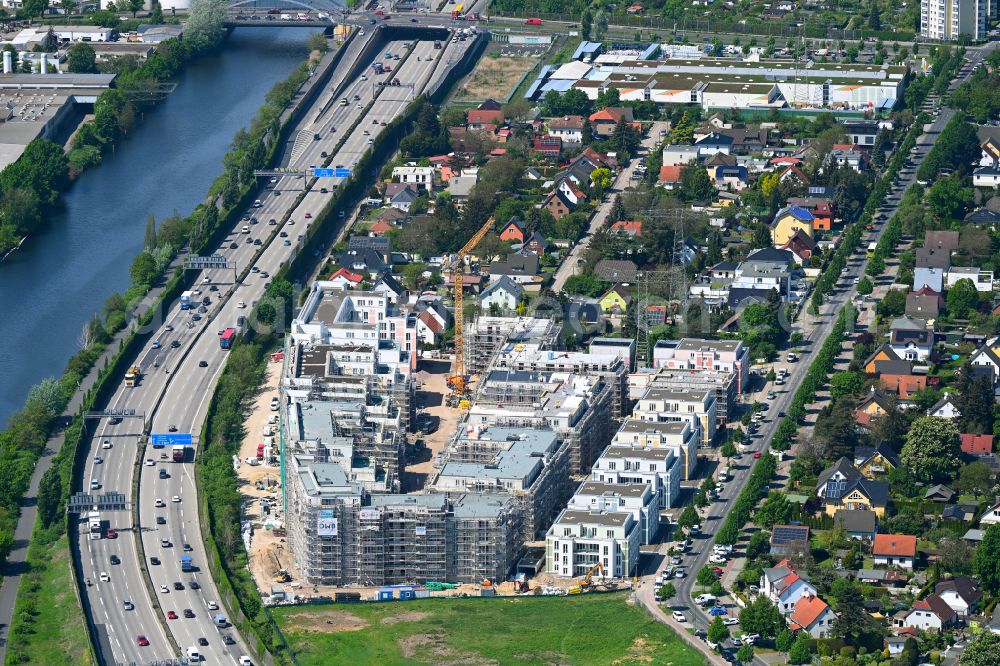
[458,380]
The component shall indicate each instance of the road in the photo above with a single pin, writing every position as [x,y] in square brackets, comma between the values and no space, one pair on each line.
[576,255]
[176,389]
[815,332]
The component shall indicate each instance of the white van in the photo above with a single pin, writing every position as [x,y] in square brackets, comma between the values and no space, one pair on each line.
[705,599]
[127,604]
[193,654]
[245,229]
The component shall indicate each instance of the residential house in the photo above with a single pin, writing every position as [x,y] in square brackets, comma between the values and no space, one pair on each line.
[387,284]
[412,174]
[792,173]
[858,523]
[479,119]
[898,377]
[883,353]
[381,227]
[764,270]
[813,616]
[992,515]
[536,244]
[863,132]
[548,145]
[460,187]
[629,228]
[987,357]
[876,403]
[875,462]
[670,177]
[924,302]
[895,645]
[568,128]
[841,486]
[983,216]
[746,141]
[345,279]
[895,550]
[964,512]
[502,293]
[946,241]
[977,445]
[939,493]
[678,155]
[802,247]
[982,280]
[521,268]
[945,408]
[789,539]
[603,122]
[428,329]
[962,594]
[714,143]
[403,199]
[616,299]
[514,231]
[731,178]
[928,277]
[986,177]
[929,614]
[911,339]
[850,156]
[616,270]
[787,221]
[365,261]
[558,204]
[574,194]
[783,586]
[990,153]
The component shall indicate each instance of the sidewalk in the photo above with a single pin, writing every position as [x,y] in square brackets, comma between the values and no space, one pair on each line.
[17,561]
[644,595]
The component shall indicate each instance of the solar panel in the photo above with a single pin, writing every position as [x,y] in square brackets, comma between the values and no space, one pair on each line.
[784,534]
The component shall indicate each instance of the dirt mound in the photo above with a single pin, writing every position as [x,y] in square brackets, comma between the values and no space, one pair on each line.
[432,648]
[413,616]
[329,621]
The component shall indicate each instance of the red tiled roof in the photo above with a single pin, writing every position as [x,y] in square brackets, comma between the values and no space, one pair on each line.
[630,227]
[484,117]
[380,227]
[430,322]
[976,444]
[347,275]
[670,174]
[896,545]
[807,610]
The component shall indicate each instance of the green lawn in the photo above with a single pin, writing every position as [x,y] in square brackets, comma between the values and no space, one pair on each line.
[588,629]
[48,625]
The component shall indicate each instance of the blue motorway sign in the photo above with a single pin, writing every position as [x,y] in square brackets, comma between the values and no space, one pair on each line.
[342,173]
[171,439]
[322,173]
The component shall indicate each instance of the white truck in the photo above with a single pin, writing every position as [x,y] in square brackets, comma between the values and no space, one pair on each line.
[94,524]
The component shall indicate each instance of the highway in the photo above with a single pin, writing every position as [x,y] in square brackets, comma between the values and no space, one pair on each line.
[175,391]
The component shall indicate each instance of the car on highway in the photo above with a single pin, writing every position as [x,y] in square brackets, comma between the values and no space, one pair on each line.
[194,584]
[160,520]
[228,640]
[213,606]
[756,455]
[171,615]
[172,428]
[680,572]
[188,613]
[150,462]
[105,578]
[142,640]
[156,344]
[114,560]
[308,216]
[165,543]
[241,305]
[112,534]
[718,610]
[233,246]
[286,242]
[164,589]
[98,460]
[196,317]
[202,364]
[106,444]
[202,641]
[178,585]
[175,498]
[154,560]
[283,234]
[158,503]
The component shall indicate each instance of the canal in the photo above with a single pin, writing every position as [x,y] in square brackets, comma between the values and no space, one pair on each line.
[64,274]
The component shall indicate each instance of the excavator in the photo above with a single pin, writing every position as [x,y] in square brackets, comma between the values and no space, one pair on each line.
[587,579]
[458,381]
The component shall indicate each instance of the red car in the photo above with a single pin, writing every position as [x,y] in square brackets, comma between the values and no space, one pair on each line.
[717,571]
[171,615]
[309,216]
[142,640]
[756,454]
[112,534]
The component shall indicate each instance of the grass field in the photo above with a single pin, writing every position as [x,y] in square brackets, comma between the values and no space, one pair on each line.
[594,629]
[495,76]
[48,625]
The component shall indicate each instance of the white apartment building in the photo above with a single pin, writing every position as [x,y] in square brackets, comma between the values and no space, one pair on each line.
[662,405]
[414,175]
[681,437]
[659,468]
[580,540]
[639,499]
[713,355]
[947,19]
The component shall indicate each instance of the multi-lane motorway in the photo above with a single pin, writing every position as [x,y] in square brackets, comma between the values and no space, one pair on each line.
[181,364]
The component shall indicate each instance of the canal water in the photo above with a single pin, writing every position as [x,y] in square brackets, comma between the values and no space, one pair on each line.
[61,276]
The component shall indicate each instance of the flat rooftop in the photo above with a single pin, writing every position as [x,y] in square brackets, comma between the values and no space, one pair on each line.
[606,518]
[597,488]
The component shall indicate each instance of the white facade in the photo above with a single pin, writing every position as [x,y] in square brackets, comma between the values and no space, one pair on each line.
[639,499]
[680,436]
[662,405]
[580,540]
[947,19]
[659,468]
[415,175]
[983,280]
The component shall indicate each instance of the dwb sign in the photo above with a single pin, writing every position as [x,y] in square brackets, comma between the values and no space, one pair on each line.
[215,261]
[326,523]
[171,439]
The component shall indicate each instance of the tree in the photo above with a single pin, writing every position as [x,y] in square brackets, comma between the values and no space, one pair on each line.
[135,5]
[682,132]
[718,631]
[33,8]
[49,496]
[759,544]
[761,237]
[865,286]
[705,576]
[745,654]
[932,449]
[962,298]
[143,269]
[762,617]
[892,304]
[586,24]
[82,58]
[689,517]
[878,149]
[835,432]
[852,619]
[47,395]
[156,16]
[983,650]
[149,242]
[876,266]
[776,510]
[988,559]
[600,29]
[976,406]
[608,97]
[667,592]
[728,450]
[800,652]
[975,478]
[206,24]
[785,640]
[949,199]
[846,384]
[695,185]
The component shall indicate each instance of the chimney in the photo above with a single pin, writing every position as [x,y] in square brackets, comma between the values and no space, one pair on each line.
[8,62]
